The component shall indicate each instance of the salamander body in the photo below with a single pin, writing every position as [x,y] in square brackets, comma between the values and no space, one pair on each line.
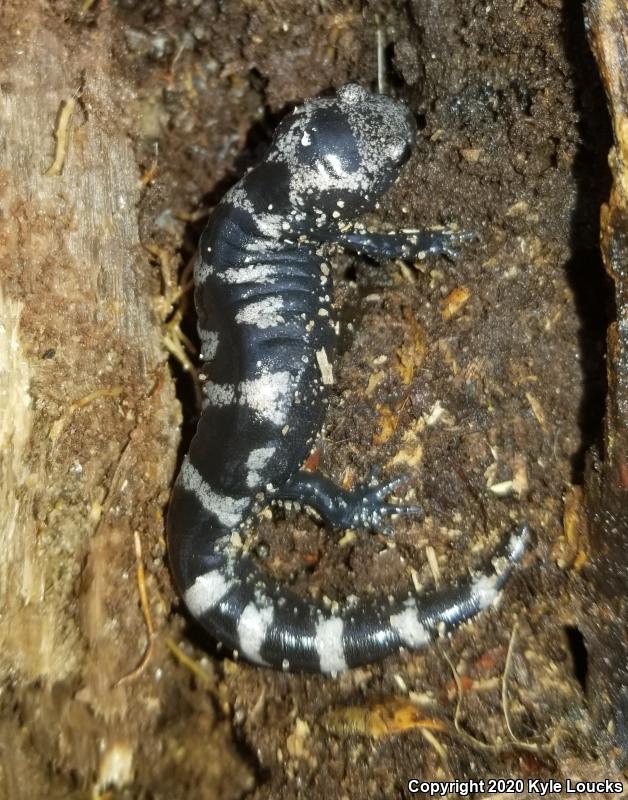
[268,333]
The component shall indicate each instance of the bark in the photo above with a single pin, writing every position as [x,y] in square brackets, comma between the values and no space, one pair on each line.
[607,481]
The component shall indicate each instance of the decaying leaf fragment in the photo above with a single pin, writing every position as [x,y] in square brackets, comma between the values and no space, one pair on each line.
[386,716]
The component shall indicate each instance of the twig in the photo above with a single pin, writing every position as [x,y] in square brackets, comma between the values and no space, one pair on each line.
[188,662]
[61,135]
[535,748]
[507,665]
[472,741]
[431,739]
[148,620]
[58,425]
[458,683]
[381,62]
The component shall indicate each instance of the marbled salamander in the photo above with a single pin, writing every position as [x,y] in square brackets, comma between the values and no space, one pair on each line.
[266,323]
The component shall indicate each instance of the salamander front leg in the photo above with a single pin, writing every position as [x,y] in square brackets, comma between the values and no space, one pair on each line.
[408,244]
[364,506]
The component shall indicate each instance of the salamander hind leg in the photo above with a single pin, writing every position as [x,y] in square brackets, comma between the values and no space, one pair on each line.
[364,506]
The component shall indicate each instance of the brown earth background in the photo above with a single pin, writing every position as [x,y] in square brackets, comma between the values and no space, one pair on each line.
[484,379]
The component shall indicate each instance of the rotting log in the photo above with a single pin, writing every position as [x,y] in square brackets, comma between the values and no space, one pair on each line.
[88,439]
[606,627]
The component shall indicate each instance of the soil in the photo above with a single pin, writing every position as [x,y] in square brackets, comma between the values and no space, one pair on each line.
[482,379]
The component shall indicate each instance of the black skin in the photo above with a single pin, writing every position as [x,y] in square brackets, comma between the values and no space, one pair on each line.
[265,316]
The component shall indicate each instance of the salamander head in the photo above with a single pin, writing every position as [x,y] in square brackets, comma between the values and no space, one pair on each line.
[343,152]
[381,122]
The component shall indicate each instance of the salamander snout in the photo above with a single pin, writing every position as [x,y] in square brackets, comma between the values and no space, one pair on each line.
[386,121]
